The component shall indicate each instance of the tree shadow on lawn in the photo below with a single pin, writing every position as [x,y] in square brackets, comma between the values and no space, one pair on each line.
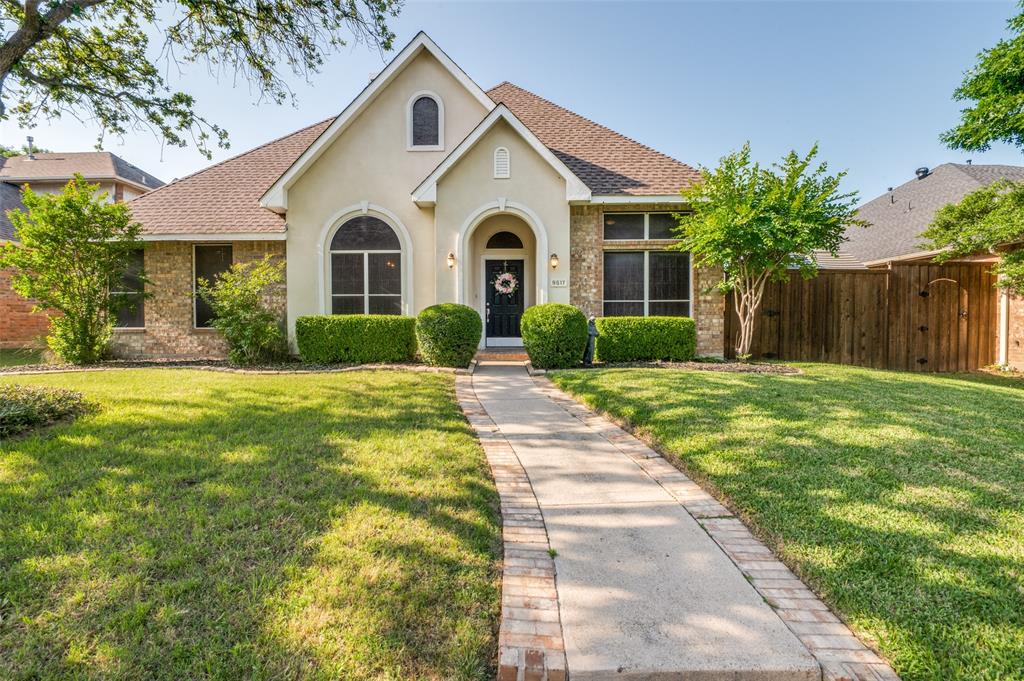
[899,497]
[254,532]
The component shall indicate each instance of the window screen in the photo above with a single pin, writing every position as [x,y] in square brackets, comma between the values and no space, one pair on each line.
[210,260]
[623,225]
[424,122]
[130,291]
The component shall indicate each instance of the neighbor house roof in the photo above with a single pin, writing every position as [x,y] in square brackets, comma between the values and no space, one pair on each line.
[93,165]
[609,163]
[224,198]
[898,217]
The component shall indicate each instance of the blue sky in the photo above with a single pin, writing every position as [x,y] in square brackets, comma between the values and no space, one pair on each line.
[870,81]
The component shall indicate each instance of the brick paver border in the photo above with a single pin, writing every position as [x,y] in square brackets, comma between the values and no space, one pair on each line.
[530,644]
[841,654]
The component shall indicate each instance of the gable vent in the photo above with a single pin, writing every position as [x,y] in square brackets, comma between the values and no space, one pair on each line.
[502,169]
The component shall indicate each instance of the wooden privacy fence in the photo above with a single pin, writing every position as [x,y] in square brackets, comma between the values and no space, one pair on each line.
[914,317]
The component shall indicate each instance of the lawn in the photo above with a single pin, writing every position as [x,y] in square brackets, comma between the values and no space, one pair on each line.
[19,356]
[898,497]
[217,526]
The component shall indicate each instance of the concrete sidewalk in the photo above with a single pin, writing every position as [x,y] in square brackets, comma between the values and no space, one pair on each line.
[644,591]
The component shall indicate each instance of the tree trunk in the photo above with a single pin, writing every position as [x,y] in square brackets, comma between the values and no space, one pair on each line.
[747,300]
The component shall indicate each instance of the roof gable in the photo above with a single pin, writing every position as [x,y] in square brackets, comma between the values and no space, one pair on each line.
[62,166]
[276,197]
[608,162]
[426,193]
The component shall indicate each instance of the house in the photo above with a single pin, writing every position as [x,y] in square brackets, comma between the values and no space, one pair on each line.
[898,218]
[421,191]
[48,173]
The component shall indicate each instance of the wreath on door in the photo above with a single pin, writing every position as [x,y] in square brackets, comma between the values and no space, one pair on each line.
[505,283]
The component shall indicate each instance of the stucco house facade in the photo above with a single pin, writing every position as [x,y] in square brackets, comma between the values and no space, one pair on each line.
[422,190]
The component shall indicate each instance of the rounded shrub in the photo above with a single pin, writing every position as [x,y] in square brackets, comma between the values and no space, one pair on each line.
[355,338]
[448,334]
[641,339]
[555,335]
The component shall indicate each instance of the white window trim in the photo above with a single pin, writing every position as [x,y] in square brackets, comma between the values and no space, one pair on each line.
[195,298]
[409,146]
[508,164]
[647,283]
[647,224]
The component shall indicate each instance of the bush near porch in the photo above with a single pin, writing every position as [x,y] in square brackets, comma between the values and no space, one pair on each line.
[896,496]
[448,334]
[222,526]
[554,335]
[356,338]
[639,339]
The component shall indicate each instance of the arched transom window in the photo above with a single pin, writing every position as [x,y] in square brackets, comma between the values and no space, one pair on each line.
[366,268]
[426,122]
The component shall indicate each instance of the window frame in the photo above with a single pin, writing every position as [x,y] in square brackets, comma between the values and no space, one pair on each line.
[195,288]
[366,269]
[647,281]
[141,292]
[647,225]
[409,146]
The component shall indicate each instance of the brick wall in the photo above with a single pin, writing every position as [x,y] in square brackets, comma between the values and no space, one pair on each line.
[1015,348]
[586,263]
[169,317]
[19,326]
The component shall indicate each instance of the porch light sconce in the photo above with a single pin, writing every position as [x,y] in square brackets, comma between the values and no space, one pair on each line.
[554,261]
[450,260]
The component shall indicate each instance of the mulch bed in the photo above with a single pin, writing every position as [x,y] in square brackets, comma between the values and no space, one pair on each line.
[215,365]
[725,367]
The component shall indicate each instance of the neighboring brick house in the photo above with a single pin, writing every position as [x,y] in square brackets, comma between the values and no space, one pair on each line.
[48,173]
[420,191]
[897,219]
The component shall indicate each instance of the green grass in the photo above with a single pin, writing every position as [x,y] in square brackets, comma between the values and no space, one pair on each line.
[216,526]
[18,356]
[899,497]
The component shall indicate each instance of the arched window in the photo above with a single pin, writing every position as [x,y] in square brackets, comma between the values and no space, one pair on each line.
[502,168]
[366,268]
[504,240]
[426,122]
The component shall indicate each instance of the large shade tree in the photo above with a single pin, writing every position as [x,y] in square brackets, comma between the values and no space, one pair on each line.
[995,90]
[760,223]
[93,58]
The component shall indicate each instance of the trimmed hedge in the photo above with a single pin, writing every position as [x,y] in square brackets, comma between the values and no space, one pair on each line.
[555,335]
[640,339]
[448,334]
[26,407]
[356,338]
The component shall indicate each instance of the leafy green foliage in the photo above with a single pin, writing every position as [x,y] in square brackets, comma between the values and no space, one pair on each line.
[896,496]
[75,246]
[7,152]
[987,219]
[224,527]
[995,86]
[637,339]
[93,58]
[448,334]
[756,223]
[554,335]
[356,338]
[242,303]
[25,407]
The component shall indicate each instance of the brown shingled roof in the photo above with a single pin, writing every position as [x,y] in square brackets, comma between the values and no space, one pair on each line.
[224,198]
[607,162]
[93,165]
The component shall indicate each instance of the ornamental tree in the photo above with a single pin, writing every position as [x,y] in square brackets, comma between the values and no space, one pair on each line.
[93,58]
[990,219]
[758,223]
[75,247]
[995,88]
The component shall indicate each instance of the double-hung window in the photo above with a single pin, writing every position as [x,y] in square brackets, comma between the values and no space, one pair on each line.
[210,260]
[366,268]
[647,281]
[132,315]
